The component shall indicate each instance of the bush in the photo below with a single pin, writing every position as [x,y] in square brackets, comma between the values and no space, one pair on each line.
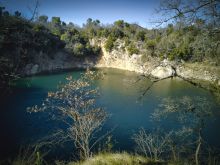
[182,52]
[117,33]
[151,44]
[132,49]
[38,27]
[140,35]
[109,44]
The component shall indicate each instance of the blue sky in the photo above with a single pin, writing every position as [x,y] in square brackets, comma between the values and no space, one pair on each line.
[78,11]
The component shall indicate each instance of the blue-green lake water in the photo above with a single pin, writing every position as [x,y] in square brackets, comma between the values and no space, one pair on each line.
[120,92]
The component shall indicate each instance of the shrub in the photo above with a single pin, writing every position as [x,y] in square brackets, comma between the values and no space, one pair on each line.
[117,33]
[132,49]
[109,44]
[151,44]
[140,35]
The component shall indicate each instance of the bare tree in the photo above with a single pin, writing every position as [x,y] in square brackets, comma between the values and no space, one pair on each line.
[189,11]
[34,10]
[74,105]
[150,144]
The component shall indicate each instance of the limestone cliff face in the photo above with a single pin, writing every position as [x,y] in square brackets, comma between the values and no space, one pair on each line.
[61,60]
[199,72]
[120,58]
[141,63]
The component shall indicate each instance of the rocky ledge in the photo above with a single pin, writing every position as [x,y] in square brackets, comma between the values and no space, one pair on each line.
[120,59]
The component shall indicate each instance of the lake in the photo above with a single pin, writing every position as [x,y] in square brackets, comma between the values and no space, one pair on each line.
[120,95]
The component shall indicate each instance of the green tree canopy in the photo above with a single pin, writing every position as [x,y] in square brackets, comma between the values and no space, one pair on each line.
[43,19]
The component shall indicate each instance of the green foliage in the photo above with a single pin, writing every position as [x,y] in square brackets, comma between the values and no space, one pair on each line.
[169,29]
[119,23]
[21,42]
[38,28]
[43,19]
[151,44]
[181,52]
[132,49]
[105,33]
[127,41]
[109,44]
[56,21]
[141,35]
[78,44]
[117,33]
[91,28]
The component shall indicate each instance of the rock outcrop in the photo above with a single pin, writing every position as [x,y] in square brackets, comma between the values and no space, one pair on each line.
[163,72]
[191,73]
[119,58]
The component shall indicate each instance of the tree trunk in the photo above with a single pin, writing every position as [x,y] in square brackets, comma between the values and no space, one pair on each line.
[198,148]
[174,153]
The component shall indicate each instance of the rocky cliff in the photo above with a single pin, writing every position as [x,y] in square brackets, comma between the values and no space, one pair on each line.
[119,58]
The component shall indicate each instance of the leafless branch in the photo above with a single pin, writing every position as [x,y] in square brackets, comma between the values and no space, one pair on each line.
[183,9]
[74,105]
[34,11]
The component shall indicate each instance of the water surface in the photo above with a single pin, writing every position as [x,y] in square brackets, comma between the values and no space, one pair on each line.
[120,93]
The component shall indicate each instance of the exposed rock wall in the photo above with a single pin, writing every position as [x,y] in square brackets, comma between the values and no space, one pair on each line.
[119,58]
[61,61]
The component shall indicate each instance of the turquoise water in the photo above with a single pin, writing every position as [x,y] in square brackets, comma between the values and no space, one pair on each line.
[120,93]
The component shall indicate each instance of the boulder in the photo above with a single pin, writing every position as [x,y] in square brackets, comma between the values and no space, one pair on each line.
[162,72]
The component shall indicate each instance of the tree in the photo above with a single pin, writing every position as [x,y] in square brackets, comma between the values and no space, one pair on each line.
[56,21]
[151,145]
[56,26]
[6,13]
[119,23]
[89,21]
[63,23]
[109,44]
[43,19]
[17,13]
[169,29]
[1,10]
[74,105]
[34,10]
[188,11]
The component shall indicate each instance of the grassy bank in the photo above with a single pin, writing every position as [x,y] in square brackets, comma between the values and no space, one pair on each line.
[116,159]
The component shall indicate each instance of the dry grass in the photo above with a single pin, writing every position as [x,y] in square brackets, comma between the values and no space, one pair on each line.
[115,159]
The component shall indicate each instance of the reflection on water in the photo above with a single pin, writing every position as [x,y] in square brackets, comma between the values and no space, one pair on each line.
[119,90]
